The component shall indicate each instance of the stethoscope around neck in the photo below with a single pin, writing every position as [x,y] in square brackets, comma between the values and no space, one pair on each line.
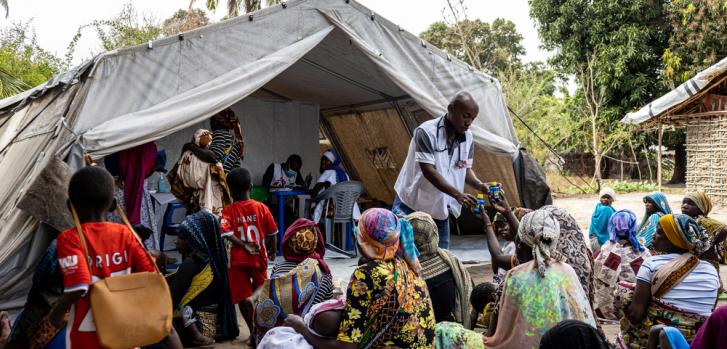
[458,139]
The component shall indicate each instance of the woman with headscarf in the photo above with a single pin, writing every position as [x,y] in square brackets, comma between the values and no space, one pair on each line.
[331,174]
[538,294]
[198,180]
[227,142]
[387,303]
[674,287]
[572,245]
[203,306]
[618,260]
[303,240]
[656,207]
[698,206]
[598,230]
[448,281]
[573,334]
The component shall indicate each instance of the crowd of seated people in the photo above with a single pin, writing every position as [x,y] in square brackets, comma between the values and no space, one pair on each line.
[551,288]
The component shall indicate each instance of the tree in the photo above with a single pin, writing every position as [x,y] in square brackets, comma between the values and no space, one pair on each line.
[233,6]
[629,37]
[183,21]
[487,47]
[698,38]
[24,64]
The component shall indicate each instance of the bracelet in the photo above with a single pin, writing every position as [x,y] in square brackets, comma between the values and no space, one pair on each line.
[489,225]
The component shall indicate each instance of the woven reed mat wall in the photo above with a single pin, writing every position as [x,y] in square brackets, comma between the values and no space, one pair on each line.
[707,156]
[376,143]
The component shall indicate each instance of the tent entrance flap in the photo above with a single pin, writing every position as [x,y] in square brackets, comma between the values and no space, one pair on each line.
[195,105]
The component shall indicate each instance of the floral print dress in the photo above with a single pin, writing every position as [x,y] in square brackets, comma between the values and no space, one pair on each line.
[387,305]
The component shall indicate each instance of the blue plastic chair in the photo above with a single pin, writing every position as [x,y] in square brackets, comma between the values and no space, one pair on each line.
[173,216]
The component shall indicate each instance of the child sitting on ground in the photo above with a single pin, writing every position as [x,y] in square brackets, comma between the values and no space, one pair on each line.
[483,300]
[598,231]
[323,320]
[247,224]
[91,197]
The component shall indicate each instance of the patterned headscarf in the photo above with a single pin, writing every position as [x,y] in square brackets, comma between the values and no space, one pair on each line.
[304,240]
[426,235]
[520,212]
[382,235]
[702,201]
[202,233]
[684,232]
[622,226]
[541,231]
[198,136]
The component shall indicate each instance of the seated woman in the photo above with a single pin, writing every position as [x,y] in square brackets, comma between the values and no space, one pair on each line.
[198,180]
[618,260]
[31,329]
[203,306]
[674,288]
[387,303]
[573,247]
[448,281]
[284,175]
[698,206]
[505,226]
[537,294]
[304,240]
[598,230]
[656,207]
[331,174]
[712,333]
[323,321]
[573,334]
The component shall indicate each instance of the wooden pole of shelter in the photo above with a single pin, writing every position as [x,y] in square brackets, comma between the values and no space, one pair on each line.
[658,156]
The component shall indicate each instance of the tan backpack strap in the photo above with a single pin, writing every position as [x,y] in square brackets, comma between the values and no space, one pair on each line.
[79,229]
[133,232]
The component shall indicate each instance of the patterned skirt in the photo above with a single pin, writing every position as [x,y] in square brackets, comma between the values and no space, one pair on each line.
[637,336]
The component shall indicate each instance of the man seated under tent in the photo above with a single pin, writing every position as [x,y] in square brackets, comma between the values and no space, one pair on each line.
[438,165]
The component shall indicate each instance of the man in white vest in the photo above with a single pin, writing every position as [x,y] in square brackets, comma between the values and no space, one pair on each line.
[438,165]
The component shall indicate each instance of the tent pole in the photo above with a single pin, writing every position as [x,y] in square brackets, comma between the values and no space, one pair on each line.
[659,155]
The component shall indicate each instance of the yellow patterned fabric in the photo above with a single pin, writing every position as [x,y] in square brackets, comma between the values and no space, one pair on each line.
[200,282]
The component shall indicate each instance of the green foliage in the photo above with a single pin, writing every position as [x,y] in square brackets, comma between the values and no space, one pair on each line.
[627,36]
[23,64]
[183,21]
[494,46]
[233,6]
[698,38]
[633,187]
[127,28]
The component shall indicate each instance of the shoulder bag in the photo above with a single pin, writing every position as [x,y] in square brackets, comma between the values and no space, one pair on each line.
[129,310]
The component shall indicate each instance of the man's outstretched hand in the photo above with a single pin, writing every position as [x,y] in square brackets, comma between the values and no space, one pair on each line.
[466,200]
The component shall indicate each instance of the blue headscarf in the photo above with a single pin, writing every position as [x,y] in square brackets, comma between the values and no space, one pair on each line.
[622,226]
[599,222]
[202,233]
[649,224]
[341,175]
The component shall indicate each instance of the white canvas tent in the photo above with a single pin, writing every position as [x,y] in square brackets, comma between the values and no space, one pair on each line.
[332,53]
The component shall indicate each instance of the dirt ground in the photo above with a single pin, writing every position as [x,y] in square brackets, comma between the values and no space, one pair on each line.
[581,207]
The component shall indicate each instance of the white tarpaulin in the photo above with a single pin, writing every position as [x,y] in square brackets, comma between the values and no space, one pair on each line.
[677,95]
[328,53]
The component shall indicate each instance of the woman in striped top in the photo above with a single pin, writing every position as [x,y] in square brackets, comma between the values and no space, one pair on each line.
[227,142]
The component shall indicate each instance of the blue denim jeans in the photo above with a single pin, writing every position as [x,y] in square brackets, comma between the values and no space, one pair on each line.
[442,224]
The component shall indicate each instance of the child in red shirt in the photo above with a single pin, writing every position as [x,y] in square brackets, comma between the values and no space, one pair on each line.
[247,223]
[112,250]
